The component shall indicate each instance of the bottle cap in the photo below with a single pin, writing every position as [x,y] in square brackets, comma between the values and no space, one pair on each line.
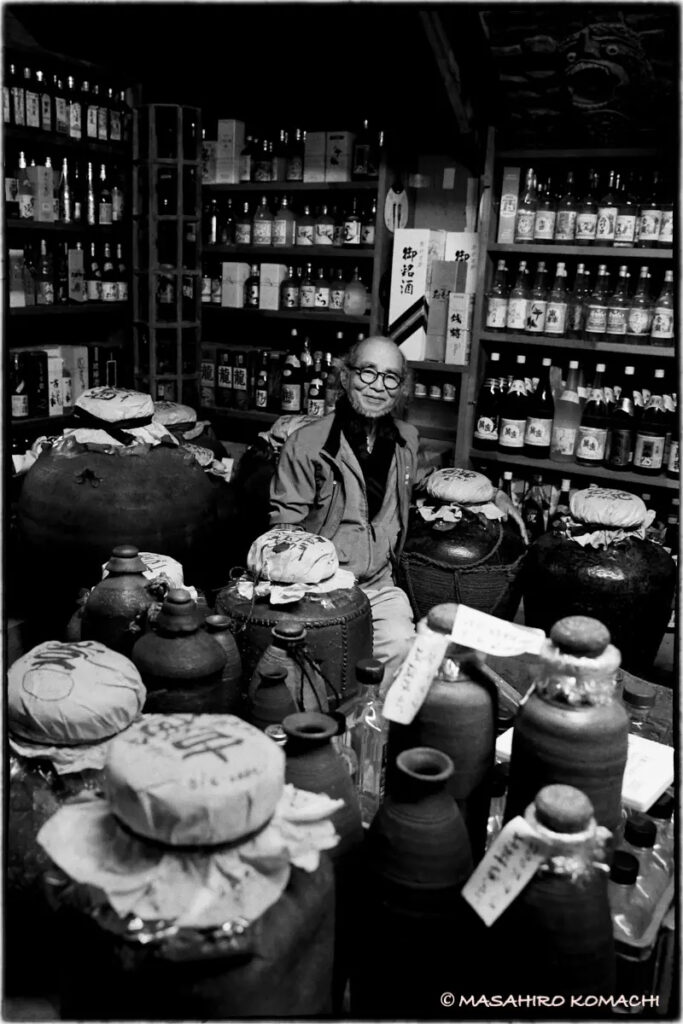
[499,783]
[563,808]
[217,623]
[277,734]
[638,693]
[640,831]
[624,868]
[663,809]
[581,636]
[125,558]
[370,671]
[178,613]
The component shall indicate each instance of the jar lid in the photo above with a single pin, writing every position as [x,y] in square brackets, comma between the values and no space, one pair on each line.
[72,693]
[292,556]
[178,613]
[155,566]
[217,623]
[640,831]
[125,558]
[638,693]
[193,779]
[116,404]
[581,636]
[291,632]
[171,414]
[625,868]
[460,485]
[605,506]
[563,809]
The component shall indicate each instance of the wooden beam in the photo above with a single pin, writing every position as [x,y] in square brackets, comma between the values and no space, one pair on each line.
[448,67]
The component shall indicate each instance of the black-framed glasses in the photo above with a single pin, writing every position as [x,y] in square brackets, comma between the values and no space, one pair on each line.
[390,380]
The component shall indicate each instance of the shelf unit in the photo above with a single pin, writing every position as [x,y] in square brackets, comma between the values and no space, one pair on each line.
[313,315]
[484,341]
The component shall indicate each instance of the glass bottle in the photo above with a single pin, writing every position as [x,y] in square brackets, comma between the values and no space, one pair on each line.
[338,231]
[45,295]
[224,369]
[323,227]
[666,224]
[289,291]
[117,202]
[252,287]
[591,438]
[31,101]
[315,395]
[121,275]
[93,276]
[546,213]
[538,301]
[665,844]
[245,159]
[567,418]
[518,301]
[240,381]
[64,192]
[115,126]
[77,195]
[355,296]
[243,225]
[18,97]
[294,170]
[650,441]
[262,164]
[596,306]
[210,228]
[640,835]
[587,214]
[662,330]
[367,231]
[621,427]
[91,208]
[556,310]
[25,190]
[322,290]
[305,227]
[630,910]
[650,216]
[487,413]
[262,225]
[575,305]
[307,289]
[337,290]
[103,117]
[104,199]
[262,389]
[110,292]
[74,103]
[291,385]
[617,308]
[527,206]
[19,386]
[499,785]
[61,107]
[535,509]
[496,300]
[90,115]
[361,153]
[368,732]
[514,409]
[567,208]
[541,411]
[558,517]
[352,225]
[284,224]
[627,216]
[280,151]
[607,212]
[226,225]
[640,311]
[639,700]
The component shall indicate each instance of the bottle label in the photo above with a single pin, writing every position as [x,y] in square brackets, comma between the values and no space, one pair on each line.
[672,466]
[261,398]
[91,122]
[206,289]
[262,232]
[122,291]
[524,225]
[563,440]
[621,451]
[75,120]
[649,223]
[322,298]
[245,167]
[544,226]
[279,235]
[496,312]
[216,290]
[555,317]
[6,105]
[535,316]
[487,428]
[115,126]
[239,378]
[565,226]
[508,866]
[18,105]
[295,169]
[663,323]
[62,115]
[410,687]
[32,110]
[290,398]
[243,234]
[102,127]
[512,433]
[304,234]
[307,296]
[224,375]
[538,432]
[639,321]
[648,452]
[590,443]
[596,320]
[117,205]
[607,221]
[105,213]
[252,296]
[625,229]
[323,234]
[616,320]
[666,228]
[336,298]
[516,314]
[586,226]
[110,291]
[26,206]
[352,232]
[367,234]
[46,293]
[19,406]
[290,297]
[316,407]
[94,288]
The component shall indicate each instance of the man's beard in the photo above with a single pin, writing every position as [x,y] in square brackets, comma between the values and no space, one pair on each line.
[373,414]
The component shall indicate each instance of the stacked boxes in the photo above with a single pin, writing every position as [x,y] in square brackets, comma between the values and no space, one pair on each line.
[339,156]
[234,277]
[314,156]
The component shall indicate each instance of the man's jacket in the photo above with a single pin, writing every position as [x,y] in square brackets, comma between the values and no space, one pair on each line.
[319,485]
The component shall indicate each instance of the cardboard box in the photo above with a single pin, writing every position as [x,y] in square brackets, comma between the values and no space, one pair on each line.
[462,248]
[76,270]
[272,276]
[314,156]
[44,195]
[17,283]
[38,402]
[339,155]
[459,328]
[55,380]
[415,251]
[209,158]
[229,145]
[233,279]
[76,361]
[508,205]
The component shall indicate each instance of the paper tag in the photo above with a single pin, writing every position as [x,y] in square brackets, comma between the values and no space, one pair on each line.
[494,636]
[509,865]
[411,685]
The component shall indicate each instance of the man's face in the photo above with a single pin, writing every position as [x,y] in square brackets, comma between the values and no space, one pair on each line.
[374,400]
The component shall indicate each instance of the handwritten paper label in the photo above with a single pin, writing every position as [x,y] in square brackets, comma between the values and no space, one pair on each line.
[494,636]
[411,685]
[509,865]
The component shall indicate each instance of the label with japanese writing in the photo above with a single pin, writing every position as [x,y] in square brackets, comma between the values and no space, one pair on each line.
[91,122]
[555,318]
[607,218]
[639,321]
[262,232]
[290,296]
[304,234]
[672,465]
[491,635]
[544,226]
[524,225]
[239,378]
[648,452]
[590,443]
[367,235]
[509,865]
[323,234]
[535,316]
[94,290]
[336,298]
[6,105]
[649,226]
[663,323]
[625,228]
[565,226]
[486,429]
[596,319]
[516,314]
[307,296]
[224,375]
[322,297]
[102,124]
[352,232]
[512,433]
[616,320]
[411,685]
[563,440]
[666,228]
[496,312]
[19,406]
[538,432]
[32,110]
[115,126]
[243,233]
[586,226]
[75,120]
[18,105]
[110,291]
[290,398]
[62,116]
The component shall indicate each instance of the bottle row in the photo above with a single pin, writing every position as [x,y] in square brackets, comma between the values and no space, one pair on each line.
[349,224]
[63,274]
[627,210]
[591,311]
[70,195]
[444,391]
[274,286]
[47,381]
[596,418]
[52,101]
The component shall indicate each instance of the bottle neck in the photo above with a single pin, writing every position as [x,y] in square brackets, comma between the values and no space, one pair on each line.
[574,855]
[576,681]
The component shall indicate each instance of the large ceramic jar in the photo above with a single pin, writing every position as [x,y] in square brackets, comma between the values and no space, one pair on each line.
[459,548]
[115,612]
[600,563]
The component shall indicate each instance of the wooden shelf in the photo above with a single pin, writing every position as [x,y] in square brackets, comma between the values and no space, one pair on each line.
[35,139]
[75,228]
[633,153]
[545,341]
[261,415]
[320,315]
[574,469]
[435,366]
[74,309]
[291,251]
[295,186]
[567,250]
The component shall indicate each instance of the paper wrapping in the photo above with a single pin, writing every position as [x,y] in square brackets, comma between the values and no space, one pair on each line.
[452,512]
[605,506]
[278,594]
[197,890]
[153,434]
[163,568]
[461,486]
[64,760]
[171,413]
[292,556]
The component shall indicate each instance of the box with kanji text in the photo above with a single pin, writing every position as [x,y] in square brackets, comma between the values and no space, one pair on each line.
[458,328]
[415,252]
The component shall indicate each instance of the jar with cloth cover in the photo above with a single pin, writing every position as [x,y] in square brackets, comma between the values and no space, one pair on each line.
[459,547]
[196,888]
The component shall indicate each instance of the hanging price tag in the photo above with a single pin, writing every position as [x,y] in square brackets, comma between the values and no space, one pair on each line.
[509,865]
[495,636]
[411,685]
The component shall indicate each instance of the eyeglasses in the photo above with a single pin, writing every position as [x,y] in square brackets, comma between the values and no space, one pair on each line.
[390,380]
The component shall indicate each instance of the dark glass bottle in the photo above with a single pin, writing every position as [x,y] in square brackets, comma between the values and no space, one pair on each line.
[541,410]
[487,414]
[514,409]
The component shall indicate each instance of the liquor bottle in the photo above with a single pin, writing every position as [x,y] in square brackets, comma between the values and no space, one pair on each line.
[356,296]
[62,274]
[369,219]
[596,306]
[352,225]
[567,418]
[45,102]
[121,275]
[252,288]
[262,164]
[305,227]
[627,216]
[487,414]
[535,509]
[294,170]
[206,282]
[77,195]
[91,209]
[640,311]
[289,291]
[117,202]
[240,382]
[567,208]
[262,225]
[224,371]
[591,438]
[587,213]
[559,515]
[518,301]
[621,428]
[93,276]
[556,310]
[640,836]
[102,116]
[307,289]
[284,224]
[617,307]
[546,214]
[496,300]
[338,232]
[332,380]
[245,160]
[662,814]
[18,97]
[538,301]
[25,190]
[45,295]
[280,151]
[74,104]
[514,408]
[666,224]
[291,385]
[64,195]
[31,101]
[337,290]
[541,411]
[575,304]
[7,82]
[262,389]
[110,292]
[61,107]
[243,226]
[115,127]
[607,212]
[323,228]
[527,205]
[367,731]
[650,441]
[91,112]
[322,290]
[650,216]
[305,358]
[104,199]
[662,330]
[226,225]
[19,386]
[315,393]
[361,154]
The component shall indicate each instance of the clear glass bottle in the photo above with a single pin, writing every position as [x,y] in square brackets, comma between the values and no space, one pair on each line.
[556,310]
[284,224]
[262,225]
[665,844]
[499,785]
[366,733]
[497,299]
[356,296]
[639,700]
[565,222]
[640,836]
[630,911]
[567,418]
[518,301]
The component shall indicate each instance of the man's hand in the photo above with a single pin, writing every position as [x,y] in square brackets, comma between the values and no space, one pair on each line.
[506,506]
